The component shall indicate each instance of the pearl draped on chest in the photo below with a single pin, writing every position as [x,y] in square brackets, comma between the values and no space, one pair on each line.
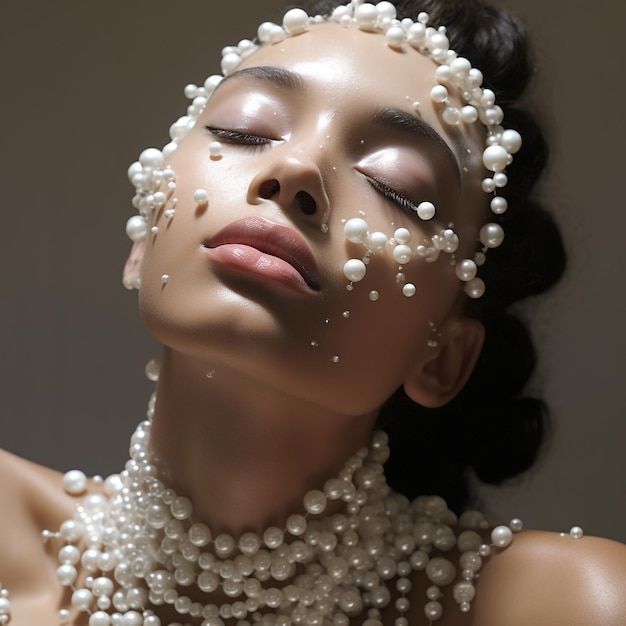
[136,547]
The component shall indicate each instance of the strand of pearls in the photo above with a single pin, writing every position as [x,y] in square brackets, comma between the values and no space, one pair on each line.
[139,548]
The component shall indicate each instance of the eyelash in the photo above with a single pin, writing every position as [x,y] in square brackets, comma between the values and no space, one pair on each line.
[392,194]
[238,138]
[248,139]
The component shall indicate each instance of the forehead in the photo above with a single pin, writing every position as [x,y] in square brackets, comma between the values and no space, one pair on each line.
[338,58]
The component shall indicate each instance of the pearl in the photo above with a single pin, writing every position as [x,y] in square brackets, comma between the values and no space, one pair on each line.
[99,618]
[295,21]
[165,278]
[511,141]
[408,290]
[152,369]
[501,536]
[495,158]
[395,37]
[151,158]
[466,270]
[365,16]
[376,241]
[499,205]
[440,571]
[215,149]
[373,295]
[516,525]
[402,254]
[75,482]
[433,610]
[451,116]
[315,501]
[576,532]
[354,270]
[475,288]
[426,210]
[137,228]
[356,230]
[439,94]
[469,114]
[200,196]
[491,235]
[402,235]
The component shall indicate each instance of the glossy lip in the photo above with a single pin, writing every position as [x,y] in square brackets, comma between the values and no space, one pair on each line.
[260,246]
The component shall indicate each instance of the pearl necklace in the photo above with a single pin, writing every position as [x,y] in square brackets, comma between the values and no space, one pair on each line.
[139,548]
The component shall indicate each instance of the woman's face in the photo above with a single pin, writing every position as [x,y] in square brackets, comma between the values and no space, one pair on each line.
[315,131]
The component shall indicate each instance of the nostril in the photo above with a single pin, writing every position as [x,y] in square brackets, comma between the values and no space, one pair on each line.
[269,189]
[307,203]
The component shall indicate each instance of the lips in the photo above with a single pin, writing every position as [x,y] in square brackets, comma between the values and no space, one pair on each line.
[276,252]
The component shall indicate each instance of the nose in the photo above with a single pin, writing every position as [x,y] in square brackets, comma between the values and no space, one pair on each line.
[295,183]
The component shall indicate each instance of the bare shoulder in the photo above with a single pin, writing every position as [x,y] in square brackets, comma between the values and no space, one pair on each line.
[552,579]
[32,499]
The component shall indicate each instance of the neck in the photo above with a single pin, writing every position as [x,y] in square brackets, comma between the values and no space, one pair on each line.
[244,453]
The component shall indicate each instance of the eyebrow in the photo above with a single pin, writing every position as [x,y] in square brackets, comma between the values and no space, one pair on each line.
[389,117]
[278,76]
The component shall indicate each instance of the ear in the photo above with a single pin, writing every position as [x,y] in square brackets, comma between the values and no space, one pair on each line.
[130,275]
[439,375]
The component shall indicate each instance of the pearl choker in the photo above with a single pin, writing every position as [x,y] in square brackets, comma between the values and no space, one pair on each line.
[136,547]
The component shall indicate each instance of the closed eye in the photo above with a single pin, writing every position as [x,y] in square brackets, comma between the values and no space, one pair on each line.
[392,194]
[237,137]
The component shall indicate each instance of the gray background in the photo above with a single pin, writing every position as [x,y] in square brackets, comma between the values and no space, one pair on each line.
[87,85]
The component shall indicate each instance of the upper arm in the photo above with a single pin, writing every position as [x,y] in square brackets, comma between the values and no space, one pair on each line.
[545,578]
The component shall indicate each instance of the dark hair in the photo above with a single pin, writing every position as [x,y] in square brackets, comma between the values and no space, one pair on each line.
[490,429]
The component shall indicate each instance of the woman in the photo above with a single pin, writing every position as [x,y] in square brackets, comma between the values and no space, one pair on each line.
[271,255]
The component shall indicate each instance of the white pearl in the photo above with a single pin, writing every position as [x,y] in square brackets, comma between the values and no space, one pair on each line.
[402,254]
[500,179]
[69,555]
[199,534]
[81,599]
[501,536]
[200,196]
[440,571]
[451,116]
[511,141]
[230,61]
[433,610]
[75,482]
[215,149]
[376,242]
[499,205]
[439,94]
[488,185]
[426,210]
[165,278]
[491,235]
[475,288]
[315,501]
[153,367]
[394,37]
[373,295]
[495,158]
[249,543]
[366,15]
[402,235]
[469,114]
[386,10]
[132,618]
[466,270]
[516,525]
[137,228]
[71,530]
[354,270]
[409,290]
[295,21]
[99,618]
[576,532]
[151,158]
[356,230]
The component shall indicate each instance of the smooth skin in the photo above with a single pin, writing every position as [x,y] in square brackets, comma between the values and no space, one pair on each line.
[277,416]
